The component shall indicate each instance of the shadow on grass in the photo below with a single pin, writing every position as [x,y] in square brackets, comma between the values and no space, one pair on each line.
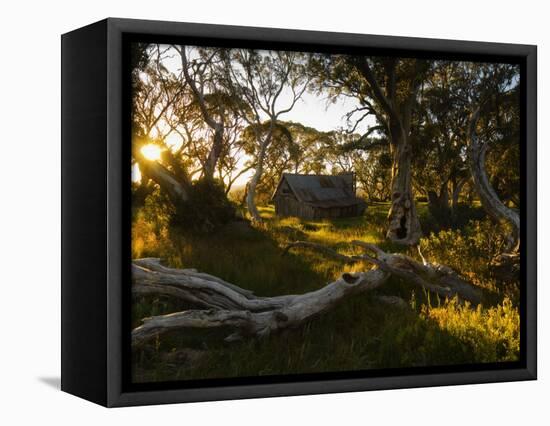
[250,258]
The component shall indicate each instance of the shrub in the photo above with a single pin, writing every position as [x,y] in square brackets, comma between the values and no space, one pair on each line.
[150,239]
[469,251]
[492,334]
[434,219]
[150,225]
[208,208]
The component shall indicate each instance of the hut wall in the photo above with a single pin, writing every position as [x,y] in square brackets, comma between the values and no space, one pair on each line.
[288,205]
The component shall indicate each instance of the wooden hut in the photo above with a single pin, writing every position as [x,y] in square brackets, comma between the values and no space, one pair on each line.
[317,196]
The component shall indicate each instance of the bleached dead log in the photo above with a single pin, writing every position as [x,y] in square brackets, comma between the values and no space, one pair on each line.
[153,264]
[285,311]
[439,279]
[225,306]
[199,289]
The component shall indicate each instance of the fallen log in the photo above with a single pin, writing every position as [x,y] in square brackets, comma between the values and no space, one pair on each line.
[277,312]
[439,279]
[223,305]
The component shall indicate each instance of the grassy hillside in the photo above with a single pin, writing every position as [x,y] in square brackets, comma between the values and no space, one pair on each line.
[360,333]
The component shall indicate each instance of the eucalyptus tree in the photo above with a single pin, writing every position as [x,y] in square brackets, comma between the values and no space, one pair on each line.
[386,89]
[186,104]
[440,168]
[155,93]
[494,123]
[230,166]
[279,156]
[269,83]
[308,154]
[373,174]
[295,148]
[208,95]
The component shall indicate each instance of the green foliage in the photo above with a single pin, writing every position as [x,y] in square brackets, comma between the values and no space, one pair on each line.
[207,208]
[491,334]
[472,251]
[150,225]
[469,251]
[435,219]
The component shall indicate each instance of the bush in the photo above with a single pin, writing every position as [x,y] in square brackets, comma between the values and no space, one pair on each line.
[434,219]
[469,251]
[150,225]
[492,334]
[208,208]
[152,239]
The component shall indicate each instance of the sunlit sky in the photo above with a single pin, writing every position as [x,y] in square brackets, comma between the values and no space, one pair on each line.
[311,110]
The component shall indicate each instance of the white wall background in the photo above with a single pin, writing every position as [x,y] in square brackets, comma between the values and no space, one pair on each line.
[30,211]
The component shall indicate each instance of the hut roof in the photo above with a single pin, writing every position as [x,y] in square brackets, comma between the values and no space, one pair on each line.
[322,190]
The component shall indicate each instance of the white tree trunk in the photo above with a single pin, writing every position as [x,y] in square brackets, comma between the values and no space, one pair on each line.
[215,151]
[490,201]
[253,183]
[175,190]
[403,224]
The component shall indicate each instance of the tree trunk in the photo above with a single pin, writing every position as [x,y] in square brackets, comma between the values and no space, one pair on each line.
[215,151]
[243,315]
[441,200]
[457,188]
[251,186]
[225,306]
[403,223]
[438,204]
[489,199]
[251,194]
[177,191]
[217,126]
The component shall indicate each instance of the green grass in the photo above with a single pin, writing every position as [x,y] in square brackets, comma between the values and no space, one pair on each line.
[358,334]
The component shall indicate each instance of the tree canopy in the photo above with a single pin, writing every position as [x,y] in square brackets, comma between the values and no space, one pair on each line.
[226,116]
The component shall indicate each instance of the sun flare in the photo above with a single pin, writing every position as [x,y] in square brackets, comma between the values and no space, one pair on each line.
[151,152]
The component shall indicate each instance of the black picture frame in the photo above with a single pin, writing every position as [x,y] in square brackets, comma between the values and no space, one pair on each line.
[96,225]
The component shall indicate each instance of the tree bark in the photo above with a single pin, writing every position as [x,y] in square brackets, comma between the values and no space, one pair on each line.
[225,306]
[438,203]
[490,201]
[403,224]
[457,188]
[215,151]
[218,127]
[176,190]
[253,183]
[268,315]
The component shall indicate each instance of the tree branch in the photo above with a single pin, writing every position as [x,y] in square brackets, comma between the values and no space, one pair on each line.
[489,199]
[365,70]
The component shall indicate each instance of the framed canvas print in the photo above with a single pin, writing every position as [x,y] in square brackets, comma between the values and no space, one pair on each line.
[251,212]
